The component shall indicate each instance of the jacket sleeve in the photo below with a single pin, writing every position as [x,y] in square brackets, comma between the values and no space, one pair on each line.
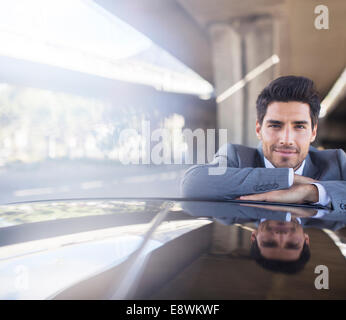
[336,189]
[200,181]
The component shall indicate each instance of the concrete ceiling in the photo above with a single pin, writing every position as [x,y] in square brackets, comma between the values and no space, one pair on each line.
[167,24]
[207,12]
[181,27]
[318,54]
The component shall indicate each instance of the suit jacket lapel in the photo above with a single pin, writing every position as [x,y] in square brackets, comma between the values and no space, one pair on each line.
[310,169]
[260,157]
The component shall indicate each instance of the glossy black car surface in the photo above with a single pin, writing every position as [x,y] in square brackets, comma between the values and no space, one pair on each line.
[161,249]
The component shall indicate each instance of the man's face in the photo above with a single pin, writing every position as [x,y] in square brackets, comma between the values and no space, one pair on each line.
[279,240]
[286,133]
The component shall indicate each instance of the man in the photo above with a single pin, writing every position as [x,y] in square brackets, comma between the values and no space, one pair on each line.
[285,168]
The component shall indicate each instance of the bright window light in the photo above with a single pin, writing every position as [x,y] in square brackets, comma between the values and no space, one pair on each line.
[79,35]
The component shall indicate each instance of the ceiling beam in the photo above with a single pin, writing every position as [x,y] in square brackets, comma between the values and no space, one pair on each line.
[169,26]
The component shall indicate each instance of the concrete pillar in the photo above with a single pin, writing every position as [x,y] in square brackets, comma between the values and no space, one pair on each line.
[258,39]
[227,64]
[238,48]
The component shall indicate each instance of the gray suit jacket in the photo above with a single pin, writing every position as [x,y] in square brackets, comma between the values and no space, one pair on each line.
[245,173]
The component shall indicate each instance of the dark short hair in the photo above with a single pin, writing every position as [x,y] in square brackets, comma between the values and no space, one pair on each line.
[280,266]
[289,88]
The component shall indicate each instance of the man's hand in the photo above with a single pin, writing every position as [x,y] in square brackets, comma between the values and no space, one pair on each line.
[294,211]
[300,193]
[298,179]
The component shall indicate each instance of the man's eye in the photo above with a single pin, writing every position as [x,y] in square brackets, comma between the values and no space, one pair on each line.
[269,244]
[274,126]
[300,127]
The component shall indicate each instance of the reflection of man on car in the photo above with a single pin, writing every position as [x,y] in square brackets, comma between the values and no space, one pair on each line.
[280,246]
[284,168]
[279,242]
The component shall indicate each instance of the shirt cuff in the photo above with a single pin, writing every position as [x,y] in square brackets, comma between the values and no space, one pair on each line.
[290,177]
[323,197]
[320,213]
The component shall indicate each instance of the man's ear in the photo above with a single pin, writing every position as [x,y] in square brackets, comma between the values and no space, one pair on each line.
[258,130]
[307,239]
[253,235]
[314,133]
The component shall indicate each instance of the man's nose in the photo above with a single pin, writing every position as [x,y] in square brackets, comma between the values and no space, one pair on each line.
[286,137]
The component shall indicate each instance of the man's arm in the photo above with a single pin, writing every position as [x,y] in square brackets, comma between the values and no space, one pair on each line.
[336,189]
[198,182]
[337,192]
[302,193]
[306,189]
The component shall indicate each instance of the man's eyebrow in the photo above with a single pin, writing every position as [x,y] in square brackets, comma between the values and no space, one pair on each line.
[274,121]
[294,122]
[301,122]
[292,247]
[273,244]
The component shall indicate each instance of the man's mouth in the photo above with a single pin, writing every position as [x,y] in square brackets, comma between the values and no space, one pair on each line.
[285,152]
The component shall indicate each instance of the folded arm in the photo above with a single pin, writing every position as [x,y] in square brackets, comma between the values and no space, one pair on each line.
[336,189]
[304,189]
[199,182]
[337,192]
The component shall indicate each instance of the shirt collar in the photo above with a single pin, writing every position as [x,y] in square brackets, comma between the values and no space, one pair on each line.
[299,171]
